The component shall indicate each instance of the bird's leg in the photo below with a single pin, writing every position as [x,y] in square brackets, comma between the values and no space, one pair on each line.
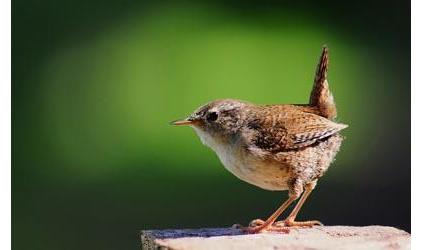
[268,224]
[290,220]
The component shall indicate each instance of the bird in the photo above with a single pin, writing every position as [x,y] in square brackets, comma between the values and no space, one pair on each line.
[278,147]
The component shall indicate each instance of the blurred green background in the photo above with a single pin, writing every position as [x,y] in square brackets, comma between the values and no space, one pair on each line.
[95,84]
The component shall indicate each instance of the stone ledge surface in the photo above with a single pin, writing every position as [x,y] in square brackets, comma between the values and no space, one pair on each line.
[324,237]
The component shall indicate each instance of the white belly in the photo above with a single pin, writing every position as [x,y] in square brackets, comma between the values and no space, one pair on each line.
[245,166]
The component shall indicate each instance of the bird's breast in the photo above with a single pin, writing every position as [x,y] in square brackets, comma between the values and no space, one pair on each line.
[244,165]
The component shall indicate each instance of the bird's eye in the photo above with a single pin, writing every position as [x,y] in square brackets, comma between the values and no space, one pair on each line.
[211,117]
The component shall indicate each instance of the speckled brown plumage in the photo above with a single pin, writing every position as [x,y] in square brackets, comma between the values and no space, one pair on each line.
[279,128]
[275,147]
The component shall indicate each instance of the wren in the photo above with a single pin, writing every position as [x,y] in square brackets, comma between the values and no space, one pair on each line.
[275,147]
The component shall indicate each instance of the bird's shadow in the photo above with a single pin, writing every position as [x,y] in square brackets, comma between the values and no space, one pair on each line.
[201,232]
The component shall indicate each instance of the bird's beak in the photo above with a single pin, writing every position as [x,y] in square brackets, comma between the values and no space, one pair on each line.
[187,121]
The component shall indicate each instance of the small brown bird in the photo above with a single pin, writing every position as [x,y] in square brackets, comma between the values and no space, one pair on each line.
[275,147]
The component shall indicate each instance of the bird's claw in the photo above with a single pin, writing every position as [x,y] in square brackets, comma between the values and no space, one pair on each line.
[256,222]
[302,224]
[259,222]
[283,226]
[257,226]
[270,228]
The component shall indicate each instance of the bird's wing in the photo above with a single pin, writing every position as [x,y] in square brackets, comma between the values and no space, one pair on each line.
[288,129]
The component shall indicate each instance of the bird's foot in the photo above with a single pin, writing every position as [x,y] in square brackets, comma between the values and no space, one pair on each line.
[284,226]
[301,224]
[259,222]
[259,226]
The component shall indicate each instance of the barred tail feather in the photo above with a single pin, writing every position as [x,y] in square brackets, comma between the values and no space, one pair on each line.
[321,96]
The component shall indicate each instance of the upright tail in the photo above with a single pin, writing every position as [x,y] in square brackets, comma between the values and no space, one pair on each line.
[321,96]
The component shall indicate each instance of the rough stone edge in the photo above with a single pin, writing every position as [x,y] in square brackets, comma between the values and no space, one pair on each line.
[150,240]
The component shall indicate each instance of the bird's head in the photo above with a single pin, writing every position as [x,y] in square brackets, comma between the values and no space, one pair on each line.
[217,118]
